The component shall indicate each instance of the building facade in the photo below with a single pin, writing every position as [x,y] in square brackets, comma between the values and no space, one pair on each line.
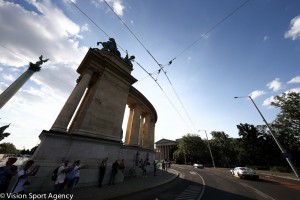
[165,149]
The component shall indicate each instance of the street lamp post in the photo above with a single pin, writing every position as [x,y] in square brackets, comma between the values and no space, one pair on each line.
[283,151]
[212,158]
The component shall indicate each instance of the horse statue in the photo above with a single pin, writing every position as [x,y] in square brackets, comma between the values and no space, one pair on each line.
[111,46]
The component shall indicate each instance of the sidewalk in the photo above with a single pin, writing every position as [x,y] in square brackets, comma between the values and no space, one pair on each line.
[130,185]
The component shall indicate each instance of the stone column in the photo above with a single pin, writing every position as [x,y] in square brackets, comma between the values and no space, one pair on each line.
[151,135]
[166,153]
[129,123]
[7,94]
[141,133]
[135,126]
[146,131]
[62,121]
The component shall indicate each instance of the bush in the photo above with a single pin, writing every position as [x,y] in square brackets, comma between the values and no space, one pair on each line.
[280,169]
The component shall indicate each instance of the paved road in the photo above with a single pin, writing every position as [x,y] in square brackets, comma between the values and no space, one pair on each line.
[208,183]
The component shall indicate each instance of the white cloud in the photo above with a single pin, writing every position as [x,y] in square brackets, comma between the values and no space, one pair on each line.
[275,85]
[268,101]
[257,93]
[85,27]
[117,5]
[294,31]
[297,90]
[8,77]
[294,80]
[266,38]
[50,33]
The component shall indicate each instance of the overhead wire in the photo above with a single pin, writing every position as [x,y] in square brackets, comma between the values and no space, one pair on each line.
[160,65]
[131,32]
[124,51]
[15,54]
[211,29]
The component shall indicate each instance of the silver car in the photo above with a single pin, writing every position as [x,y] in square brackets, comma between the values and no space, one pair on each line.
[198,166]
[244,172]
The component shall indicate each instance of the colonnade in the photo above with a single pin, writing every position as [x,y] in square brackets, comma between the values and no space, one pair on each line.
[100,97]
[141,121]
[164,149]
[163,153]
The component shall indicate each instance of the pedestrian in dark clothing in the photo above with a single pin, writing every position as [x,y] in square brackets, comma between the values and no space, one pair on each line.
[154,166]
[114,171]
[102,170]
[6,173]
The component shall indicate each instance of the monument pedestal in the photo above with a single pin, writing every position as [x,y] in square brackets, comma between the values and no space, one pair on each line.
[90,151]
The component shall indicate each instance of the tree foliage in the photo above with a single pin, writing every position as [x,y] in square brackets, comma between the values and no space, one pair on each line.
[257,147]
[222,149]
[2,134]
[8,148]
[190,149]
[287,123]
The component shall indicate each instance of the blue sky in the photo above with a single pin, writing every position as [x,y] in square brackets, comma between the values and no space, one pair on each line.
[254,51]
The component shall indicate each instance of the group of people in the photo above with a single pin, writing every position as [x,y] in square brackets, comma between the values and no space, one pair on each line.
[114,170]
[65,175]
[10,170]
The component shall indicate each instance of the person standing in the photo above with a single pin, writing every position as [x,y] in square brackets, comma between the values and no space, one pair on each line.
[154,167]
[122,165]
[6,173]
[114,171]
[23,174]
[61,175]
[102,169]
[76,171]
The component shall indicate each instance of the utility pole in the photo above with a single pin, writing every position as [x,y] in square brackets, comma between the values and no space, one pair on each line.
[283,151]
[212,158]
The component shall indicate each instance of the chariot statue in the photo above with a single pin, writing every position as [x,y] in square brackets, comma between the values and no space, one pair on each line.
[37,66]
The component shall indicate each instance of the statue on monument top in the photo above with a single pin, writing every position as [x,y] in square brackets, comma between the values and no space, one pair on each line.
[128,59]
[111,46]
[37,66]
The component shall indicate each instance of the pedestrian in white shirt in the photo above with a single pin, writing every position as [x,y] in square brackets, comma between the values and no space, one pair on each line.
[61,175]
[74,175]
[23,174]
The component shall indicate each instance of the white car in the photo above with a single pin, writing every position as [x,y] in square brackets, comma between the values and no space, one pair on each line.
[198,166]
[244,172]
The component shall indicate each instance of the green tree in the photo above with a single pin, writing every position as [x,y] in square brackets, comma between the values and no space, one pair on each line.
[256,147]
[191,149]
[8,148]
[222,149]
[287,123]
[2,134]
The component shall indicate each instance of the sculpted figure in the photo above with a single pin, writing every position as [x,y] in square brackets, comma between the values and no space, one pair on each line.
[111,46]
[37,66]
[128,59]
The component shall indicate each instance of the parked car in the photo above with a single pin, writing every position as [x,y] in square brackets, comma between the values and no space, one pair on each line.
[244,172]
[198,166]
